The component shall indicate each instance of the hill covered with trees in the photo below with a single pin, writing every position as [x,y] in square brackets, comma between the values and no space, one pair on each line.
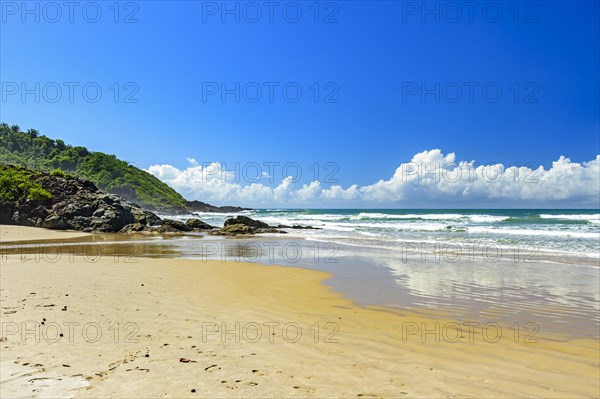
[34,151]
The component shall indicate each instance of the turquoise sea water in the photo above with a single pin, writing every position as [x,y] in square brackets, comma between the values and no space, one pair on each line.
[560,234]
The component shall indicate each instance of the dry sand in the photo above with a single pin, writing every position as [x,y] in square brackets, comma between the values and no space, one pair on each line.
[9,234]
[129,330]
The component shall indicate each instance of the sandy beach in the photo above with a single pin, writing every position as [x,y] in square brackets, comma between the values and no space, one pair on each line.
[141,327]
[22,234]
[300,199]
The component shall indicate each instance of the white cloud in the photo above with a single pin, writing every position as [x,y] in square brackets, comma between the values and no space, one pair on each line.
[429,179]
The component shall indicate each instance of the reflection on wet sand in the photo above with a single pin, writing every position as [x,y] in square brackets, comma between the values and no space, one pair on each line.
[562,299]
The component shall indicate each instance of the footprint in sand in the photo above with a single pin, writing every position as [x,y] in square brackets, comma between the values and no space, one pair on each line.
[139,369]
[304,388]
[212,368]
[236,384]
[130,357]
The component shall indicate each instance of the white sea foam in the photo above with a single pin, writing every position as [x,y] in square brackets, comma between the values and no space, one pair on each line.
[487,218]
[590,218]
[318,217]
[382,229]
[427,216]
[535,232]
[338,226]
[405,226]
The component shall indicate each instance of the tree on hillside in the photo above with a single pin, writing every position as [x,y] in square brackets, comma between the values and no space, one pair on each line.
[60,145]
[33,150]
[33,133]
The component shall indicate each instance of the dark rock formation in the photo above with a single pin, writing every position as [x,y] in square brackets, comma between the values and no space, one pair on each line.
[29,213]
[234,230]
[133,228]
[145,217]
[198,224]
[233,227]
[198,206]
[111,216]
[79,205]
[298,227]
[176,224]
[246,221]
[272,230]
[55,222]
[75,204]
[7,209]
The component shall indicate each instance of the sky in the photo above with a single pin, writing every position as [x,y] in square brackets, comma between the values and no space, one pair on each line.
[320,104]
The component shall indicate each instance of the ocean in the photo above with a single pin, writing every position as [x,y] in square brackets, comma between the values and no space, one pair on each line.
[558,234]
[527,267]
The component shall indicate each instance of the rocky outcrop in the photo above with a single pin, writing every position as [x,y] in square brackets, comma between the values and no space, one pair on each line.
[134,228]
[7,209]
[55,222]
[145,217]
[198,206]
[235,230]
[297,227]
[78,204]
[176,225]
[198,224]
[28,213]
[170,226]
[243,225]
[75,204]
[246,221]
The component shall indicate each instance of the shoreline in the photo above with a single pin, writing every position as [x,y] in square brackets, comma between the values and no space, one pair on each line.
[507,233]
[181,302]
[369,276]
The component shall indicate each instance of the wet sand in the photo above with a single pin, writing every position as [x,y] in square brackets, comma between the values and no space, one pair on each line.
[140,327]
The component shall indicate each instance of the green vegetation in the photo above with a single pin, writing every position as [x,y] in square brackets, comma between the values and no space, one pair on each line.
[38,193]
[16,184]
[59,173]
[34,151]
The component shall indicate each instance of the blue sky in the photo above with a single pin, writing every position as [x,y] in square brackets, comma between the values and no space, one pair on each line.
[375,68]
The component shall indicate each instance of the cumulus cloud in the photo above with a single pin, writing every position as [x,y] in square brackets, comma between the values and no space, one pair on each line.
[430,178]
